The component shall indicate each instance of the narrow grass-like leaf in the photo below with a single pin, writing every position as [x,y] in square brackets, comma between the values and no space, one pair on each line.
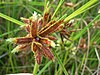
[97,34]
[84,30]
[72,69]
[37,3]
[60,63]
[60,3]
[34,9]
[80,10]
[4,34]
[43,69]
[11,19]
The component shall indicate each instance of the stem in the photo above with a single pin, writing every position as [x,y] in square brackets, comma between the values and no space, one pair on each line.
[35,68]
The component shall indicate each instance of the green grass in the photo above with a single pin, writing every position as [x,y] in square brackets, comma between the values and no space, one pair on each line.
[69,59]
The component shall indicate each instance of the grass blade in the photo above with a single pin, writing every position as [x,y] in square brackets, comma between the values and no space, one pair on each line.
[11,19]
[43,69]
[80,10]
[61,64]
[4,34]
[60,3]
[84,30]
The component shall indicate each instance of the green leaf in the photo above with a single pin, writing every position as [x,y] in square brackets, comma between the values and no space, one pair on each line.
[60,63]
[11,19]
[59,5]
[84,30]
[80,10]
[43,69]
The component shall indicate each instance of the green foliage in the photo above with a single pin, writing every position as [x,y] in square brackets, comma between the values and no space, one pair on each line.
[69,58]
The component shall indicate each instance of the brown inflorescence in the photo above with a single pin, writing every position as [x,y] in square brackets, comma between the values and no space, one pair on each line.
[38,35]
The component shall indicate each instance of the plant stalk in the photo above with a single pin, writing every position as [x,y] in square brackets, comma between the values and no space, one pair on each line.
[36,67]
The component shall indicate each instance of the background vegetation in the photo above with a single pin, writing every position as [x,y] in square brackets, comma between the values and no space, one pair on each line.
[80,56]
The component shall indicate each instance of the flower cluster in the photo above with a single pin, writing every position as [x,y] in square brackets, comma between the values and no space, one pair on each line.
[38,37]
[38,29]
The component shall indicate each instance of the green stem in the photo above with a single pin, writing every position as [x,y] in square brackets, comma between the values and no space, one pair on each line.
[35,68]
